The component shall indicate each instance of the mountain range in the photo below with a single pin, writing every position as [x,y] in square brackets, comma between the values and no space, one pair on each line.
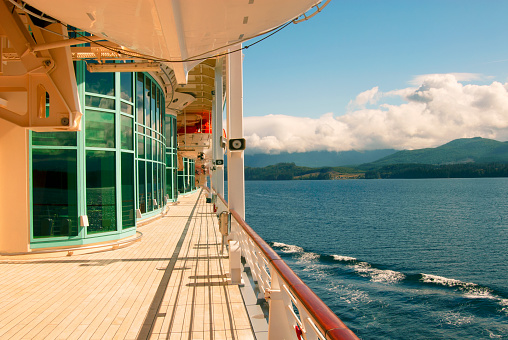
[317,159]
[458,151]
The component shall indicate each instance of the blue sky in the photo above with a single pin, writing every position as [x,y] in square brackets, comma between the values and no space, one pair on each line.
[320,65]
[371,74]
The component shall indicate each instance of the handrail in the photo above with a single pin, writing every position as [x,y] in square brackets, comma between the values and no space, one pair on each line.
[328,323]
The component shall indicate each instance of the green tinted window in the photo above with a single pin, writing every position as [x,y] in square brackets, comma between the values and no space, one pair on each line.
[126,108]
[153,107]
[148,148]
[126,86]
[169,182]
[148,87]
[155,186]
[126,124]
[139,98]
[100,129]
[141,186]
[128,190]
[168,131]
[54,193]
[102,103]
[100,83]
[149,187]
[141,146]
[100,191]
[54,138]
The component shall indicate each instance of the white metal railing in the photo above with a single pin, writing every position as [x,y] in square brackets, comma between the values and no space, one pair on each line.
[295,311]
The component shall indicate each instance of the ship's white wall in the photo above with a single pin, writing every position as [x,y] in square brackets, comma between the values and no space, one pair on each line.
[14,188]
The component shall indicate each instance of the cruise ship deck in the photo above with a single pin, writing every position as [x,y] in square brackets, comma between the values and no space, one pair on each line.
[172,284]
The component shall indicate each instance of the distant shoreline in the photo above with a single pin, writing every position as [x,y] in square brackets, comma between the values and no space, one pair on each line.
[290,171]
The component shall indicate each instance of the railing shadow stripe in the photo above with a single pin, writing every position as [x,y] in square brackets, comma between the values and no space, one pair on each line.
[153,311]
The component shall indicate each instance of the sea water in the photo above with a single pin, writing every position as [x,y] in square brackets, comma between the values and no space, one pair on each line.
[395,259]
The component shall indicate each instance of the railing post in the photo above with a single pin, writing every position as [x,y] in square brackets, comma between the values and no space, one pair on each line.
[279,325]
[236,185]
[234,86]
[217,150]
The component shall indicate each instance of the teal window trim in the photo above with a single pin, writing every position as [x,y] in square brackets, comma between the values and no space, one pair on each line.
[31,198]
[157,138]
[126,102]
[102,95]
[95,108]
[127,115]
[51,147]
[75,242]
[118,154]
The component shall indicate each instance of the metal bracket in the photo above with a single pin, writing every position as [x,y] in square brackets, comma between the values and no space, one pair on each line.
[38,90]
[272,295]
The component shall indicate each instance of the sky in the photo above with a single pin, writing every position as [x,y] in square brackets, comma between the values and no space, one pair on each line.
[373,74]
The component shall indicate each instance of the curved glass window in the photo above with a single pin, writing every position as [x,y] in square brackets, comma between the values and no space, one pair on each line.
[186,176]
[171,158]
[128,187]
[112,167]
[54,193]
[100,129]
[100,83]
[101,191]
[150,139]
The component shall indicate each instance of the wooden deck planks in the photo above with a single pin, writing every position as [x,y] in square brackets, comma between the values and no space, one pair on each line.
[137,292]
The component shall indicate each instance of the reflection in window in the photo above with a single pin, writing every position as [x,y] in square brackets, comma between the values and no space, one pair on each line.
[148,87]
[160,117]
[54,190]
[100,129]
[153,95]
[161,185]
[168,132]
[148,148]
[126,124]
[126,108]
[127,190]
[54,138]
[141,186]
[102,103]
[139,98]
[154,150]
[181,187]
[100,83]
[126,86]
[149,188]
[100,191]
[155,186]
[141,146]
[169,182]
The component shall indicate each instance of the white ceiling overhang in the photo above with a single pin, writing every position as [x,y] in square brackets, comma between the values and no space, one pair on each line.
[175,30]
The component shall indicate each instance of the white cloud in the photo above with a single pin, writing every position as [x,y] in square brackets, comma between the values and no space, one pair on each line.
[438,110]
[367,97]
[461,77]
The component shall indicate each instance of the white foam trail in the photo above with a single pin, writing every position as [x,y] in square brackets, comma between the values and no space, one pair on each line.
[350,295]
[456,319]
[308,257]
[343,258]
[444,281]
[378,275]
[288,248]
[470,290]
[504,305]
